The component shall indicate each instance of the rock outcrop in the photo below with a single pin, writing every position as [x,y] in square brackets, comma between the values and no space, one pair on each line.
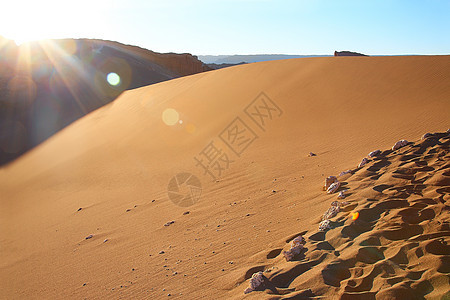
[347,53]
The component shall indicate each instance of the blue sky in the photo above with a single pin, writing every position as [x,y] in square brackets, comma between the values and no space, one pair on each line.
[380,27]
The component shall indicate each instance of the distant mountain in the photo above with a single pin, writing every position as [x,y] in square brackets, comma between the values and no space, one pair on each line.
[221,66]
[235,59]
[46,85]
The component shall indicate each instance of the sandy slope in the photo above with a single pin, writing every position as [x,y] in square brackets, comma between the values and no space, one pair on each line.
[114,162]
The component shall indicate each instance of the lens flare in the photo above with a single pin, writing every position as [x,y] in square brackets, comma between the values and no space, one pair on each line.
[355,216]
[170,116]
[190,128]
[113,79]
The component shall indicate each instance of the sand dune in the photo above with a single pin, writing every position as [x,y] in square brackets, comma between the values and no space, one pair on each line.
[116,164]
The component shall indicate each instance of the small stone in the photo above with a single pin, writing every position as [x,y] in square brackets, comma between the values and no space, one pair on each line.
[105,240]
[399,144]
[345,172]
[324,225]
[231,262]
[169,223]
[186,212]
[295,249]
[426,135]
[153,200]
[363,162]
[248,215]
[374,153]
[175,273]
[128,210]
[89,237]
[84,284]
[133,269]
[80,209]
[257,283]
[329,181]
[169,295]
[161,252]
[273,191]
[333,187]
[331,212]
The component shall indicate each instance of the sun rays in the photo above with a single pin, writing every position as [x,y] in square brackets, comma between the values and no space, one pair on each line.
[47,84]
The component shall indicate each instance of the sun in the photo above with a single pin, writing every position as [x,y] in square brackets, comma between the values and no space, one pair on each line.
[29,20]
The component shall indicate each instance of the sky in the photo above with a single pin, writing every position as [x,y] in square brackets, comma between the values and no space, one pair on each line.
[212,27]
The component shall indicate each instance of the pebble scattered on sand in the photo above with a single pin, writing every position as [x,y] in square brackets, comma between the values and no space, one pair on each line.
[186,212]
[311,154]
[341,195]
[89,237]
[169,223]
[161,252]
[80,209]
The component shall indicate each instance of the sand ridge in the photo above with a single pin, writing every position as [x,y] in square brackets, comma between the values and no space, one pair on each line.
[398,247]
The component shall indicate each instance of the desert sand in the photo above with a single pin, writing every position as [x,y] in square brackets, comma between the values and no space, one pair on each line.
[83,215]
